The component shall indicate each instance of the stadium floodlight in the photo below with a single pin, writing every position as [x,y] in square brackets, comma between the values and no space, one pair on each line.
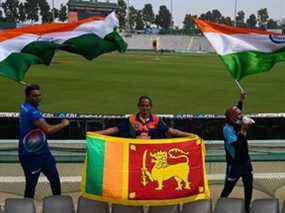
[171,11]
[128,16]
[53,12]
[235,13]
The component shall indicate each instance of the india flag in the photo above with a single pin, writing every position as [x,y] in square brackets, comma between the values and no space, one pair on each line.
[244,51]
[36,44]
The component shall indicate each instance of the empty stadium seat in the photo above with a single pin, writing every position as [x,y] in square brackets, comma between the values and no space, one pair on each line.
[19,205]
[283,207]
[58,204]
[116,208]
[202,206]
[164,209]
[265,206]
[91,206]
[229,205]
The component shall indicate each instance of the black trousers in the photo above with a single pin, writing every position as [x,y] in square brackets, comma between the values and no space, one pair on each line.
[233,173]
[33,166]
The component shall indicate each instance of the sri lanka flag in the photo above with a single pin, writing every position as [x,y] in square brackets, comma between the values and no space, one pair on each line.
[145,172]
[244,51]
[36,44]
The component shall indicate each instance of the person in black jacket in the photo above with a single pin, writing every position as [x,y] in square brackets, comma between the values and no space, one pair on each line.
[236,148]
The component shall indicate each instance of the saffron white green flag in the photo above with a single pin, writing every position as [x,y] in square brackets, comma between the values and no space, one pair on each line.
[36,44]
[244,51]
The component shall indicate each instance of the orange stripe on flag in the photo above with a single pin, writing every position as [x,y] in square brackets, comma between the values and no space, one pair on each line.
[113,175]
[40,29]
[209,27]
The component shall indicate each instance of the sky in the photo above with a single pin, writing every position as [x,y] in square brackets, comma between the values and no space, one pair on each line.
[275,8]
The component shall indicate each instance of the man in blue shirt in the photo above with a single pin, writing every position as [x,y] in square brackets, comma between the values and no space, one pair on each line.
[144,124]
[236,148]
[34,154]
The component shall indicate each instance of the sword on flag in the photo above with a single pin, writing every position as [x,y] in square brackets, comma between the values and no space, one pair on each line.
[144,169]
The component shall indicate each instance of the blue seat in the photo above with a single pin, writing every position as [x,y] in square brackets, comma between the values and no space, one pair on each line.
[164,209]
[265,206]
[283,207]
[91,206]
[58,204]
[229,205]
[19,205]
[116,208]
[202,206]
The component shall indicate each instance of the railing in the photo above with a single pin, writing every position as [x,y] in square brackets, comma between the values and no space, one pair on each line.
[73,151]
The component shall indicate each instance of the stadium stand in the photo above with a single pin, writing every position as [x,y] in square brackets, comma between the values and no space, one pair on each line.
[266,144]
[177,43]
[64,204]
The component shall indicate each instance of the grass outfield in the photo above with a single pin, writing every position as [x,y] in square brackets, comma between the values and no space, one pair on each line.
[178,83]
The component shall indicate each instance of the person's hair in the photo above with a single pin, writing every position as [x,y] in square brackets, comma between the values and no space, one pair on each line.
[30,88]
[144,98]
[232,113]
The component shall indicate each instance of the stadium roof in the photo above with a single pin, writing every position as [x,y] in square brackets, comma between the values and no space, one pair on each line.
[92,4]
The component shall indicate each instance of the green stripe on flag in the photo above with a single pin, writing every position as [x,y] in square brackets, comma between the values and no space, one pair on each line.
[16,65]
[251,62]
[95,165]
[91,46]
[45,50]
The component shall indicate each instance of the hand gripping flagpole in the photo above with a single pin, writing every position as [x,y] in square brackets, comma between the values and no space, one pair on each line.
[24,83]
[239,86]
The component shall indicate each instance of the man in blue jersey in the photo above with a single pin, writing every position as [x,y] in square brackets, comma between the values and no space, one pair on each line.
[34,153]
[236,148]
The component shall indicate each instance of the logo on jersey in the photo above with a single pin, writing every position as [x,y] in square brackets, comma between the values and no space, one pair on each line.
[34,141]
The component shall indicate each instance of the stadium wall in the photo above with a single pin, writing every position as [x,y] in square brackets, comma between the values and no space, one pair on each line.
[208,126]
[177,43]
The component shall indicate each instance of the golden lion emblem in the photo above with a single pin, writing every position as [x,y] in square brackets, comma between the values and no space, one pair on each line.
[162,171]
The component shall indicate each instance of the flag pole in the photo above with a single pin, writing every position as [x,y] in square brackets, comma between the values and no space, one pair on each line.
[24,83]
[239,86]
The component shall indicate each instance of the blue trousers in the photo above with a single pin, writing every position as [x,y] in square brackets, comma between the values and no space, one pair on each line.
[33,166]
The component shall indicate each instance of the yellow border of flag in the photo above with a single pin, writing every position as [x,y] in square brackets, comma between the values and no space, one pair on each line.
[202,196]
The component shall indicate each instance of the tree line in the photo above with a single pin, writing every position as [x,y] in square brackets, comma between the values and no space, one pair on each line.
[259,21]
[139,19]
[144,18]
[15,11]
